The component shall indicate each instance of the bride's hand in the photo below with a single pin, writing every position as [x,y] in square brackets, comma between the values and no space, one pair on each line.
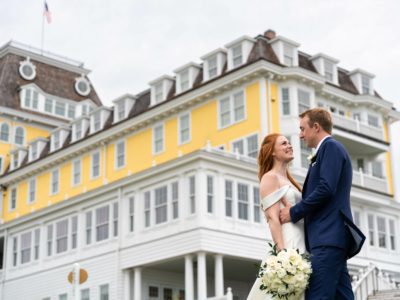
[284,214]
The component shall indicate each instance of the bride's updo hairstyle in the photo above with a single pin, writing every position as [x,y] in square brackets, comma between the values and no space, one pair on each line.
[266,160]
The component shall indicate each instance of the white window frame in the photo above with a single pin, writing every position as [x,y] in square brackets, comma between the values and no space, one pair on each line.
[162,149]
[235,57]
[1,164]
[34,151]
[131,213]
[73,183]
[121,110]
[147,205]
[159,92]
[256,205]
[286,103]
[107,223]
[365,85]
[192,194]
[117,155]
[49,103]
[210,193]
[107,286]
[288,55]
[299,89]
[231,110]
[62,238]
[52,182]
[184,81]
[4,133]
[28,248]
[209,69]
[175,200]
[329,74]
[97,122]
[180,129]
[60,105]
[92,155]
[13,198]
[32,190]
[160,207]
[23,135]
[245,141]
[229,198]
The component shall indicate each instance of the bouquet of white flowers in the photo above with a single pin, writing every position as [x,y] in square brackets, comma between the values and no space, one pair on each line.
[285,274]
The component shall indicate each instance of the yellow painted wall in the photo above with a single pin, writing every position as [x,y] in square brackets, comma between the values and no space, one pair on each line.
[389,172]
[139,157]
[274,104]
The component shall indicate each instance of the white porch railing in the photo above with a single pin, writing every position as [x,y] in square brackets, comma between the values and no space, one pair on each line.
[369,281]
[357,126]
[227,296]
[366,180]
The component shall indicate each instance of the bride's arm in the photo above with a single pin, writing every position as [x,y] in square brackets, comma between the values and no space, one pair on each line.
[269,184]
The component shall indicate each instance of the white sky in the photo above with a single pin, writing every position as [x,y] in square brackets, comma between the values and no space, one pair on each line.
[127,43]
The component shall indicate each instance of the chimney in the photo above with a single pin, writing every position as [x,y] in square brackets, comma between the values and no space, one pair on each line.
[270,34]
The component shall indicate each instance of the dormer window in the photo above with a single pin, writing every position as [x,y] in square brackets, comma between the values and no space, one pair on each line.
[36,147]
[34,151]
[56,140]
[71,111]
[213,63]
[79,128]
[60,108]
[4,132]
[363,81]
[48,105]
[160,89]
[122,107]
[15,161]
[326,66]
[31,99]
[286,51]
[98,118]
[58,137]
[17,157]
[185,77]
[239,50]
[96,121]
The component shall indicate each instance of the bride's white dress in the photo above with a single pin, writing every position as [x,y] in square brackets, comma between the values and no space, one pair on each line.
[293,234]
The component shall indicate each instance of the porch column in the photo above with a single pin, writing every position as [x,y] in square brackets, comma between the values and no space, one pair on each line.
[189,293]
[219,276]
[201,276]
[138,284]
[126,284]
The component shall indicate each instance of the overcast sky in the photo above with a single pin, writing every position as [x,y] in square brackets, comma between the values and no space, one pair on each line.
[127,43]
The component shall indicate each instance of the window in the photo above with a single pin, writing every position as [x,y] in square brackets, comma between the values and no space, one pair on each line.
[285,101]
[120,154]
[55,180]
[392,235]
[288,55]
[147,211]
[1,164]
[373,121]
[78,130]
[377,169]
[96,121]
[4,132]
[49,239]
[71,111]
[76,171]
[15,251]
[131,214]
[243,200]
[36,246]
[13,198]
[357,116]
[231,109]
[102,223]
[371,230]
[256,203]
[62,236]
[88,228]
[95,169]
[28,97]
[305,152]
[26,242]
[34,151]
[104,292]
[60,108]
[167,294]
[19,136]
[32,190]
[153,292]
[48,105]
[381,222]
[192,194]
[356,217]
[238,147]
[121,110]
[158,92]
[237,56]
[35,100]
[175,200]
[56,140]
[74,232]
[328,66]
[304,100]
[85,294]
[184,129]
[184,80]
[212,67]
[247,146]
[115,219]
[365,84]
[210,194]
[160,195]
[63,297]
[228,198]
[158,139]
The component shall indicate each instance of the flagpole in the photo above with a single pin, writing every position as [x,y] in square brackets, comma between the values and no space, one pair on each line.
[42,36]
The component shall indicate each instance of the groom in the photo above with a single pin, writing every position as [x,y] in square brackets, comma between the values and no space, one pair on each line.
[325,207]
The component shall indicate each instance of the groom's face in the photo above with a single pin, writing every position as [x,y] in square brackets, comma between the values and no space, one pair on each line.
[308,133]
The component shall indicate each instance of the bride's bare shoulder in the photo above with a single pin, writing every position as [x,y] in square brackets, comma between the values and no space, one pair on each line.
[268,184]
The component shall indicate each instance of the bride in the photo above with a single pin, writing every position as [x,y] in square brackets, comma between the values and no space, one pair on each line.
[277,184]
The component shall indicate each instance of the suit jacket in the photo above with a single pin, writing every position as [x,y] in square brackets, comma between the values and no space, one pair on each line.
[326,196]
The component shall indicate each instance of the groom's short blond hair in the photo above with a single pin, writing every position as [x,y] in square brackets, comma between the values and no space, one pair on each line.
[320,116]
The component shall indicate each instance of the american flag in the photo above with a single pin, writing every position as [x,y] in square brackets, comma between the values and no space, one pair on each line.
[46,12]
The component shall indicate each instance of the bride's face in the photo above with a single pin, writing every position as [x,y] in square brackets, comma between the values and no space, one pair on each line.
[283,150]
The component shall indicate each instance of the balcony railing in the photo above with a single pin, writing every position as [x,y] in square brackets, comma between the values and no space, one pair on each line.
[360,127]
[368,181]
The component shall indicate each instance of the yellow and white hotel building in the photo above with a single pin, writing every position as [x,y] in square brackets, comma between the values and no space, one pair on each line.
[157,196]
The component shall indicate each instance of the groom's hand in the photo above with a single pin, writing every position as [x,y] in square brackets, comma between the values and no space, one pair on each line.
[284,214]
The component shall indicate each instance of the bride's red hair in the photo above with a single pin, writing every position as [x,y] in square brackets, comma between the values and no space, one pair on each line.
[265,158]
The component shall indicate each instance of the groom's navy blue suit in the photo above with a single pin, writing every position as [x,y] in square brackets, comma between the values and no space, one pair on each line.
[326,192]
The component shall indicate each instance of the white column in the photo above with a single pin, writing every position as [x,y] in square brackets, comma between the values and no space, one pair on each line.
[189,292]
[138,284]
[219,276]
[201,276]
[127,286]
[263,108]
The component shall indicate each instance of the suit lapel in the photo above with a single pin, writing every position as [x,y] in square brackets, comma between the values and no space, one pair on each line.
[305,181]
